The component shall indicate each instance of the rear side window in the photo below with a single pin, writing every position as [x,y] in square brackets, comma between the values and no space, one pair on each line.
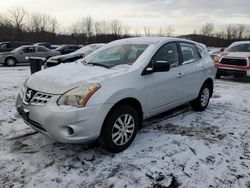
[189,53]
[168,53]
[41,49]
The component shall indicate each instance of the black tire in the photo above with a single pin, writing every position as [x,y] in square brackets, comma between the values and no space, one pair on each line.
[106,141]
[199,103]
[10,61]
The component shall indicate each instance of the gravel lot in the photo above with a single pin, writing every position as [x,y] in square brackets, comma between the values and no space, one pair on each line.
[180,148]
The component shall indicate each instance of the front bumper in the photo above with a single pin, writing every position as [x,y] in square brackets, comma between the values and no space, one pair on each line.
[227,70]
[64,124]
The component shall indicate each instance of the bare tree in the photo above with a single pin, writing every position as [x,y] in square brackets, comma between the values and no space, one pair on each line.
[241,30]
[17,16]
[116,27]
[207,29]
[147,31]
[169,30]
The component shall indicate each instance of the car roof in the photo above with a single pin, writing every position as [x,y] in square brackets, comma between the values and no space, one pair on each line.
[151,40]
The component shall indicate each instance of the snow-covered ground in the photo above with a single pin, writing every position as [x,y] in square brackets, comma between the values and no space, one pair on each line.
[179,148]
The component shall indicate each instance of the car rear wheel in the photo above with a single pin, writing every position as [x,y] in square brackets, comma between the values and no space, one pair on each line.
[10,61]
[119,129]
[203,99]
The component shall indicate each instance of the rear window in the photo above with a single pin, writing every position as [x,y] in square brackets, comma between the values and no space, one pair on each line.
[189,53]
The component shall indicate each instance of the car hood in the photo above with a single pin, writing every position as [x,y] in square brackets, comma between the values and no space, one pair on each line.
[237,54]
[59,79]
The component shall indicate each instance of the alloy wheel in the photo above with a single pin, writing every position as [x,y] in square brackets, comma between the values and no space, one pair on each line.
[123,129]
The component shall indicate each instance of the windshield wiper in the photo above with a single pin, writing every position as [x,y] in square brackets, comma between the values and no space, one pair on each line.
[99,64]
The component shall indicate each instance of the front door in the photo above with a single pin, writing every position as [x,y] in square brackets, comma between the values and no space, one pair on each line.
[164,90]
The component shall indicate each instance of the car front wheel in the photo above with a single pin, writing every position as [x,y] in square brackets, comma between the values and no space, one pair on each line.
[10,61]
[119,129]
[203,99]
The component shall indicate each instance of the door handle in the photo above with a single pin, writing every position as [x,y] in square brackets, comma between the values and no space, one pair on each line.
[179,75]
[203,68]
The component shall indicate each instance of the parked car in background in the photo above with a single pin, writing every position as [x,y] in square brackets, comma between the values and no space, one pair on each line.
[45,44]
[9,46]
[118,86]
[66,49]
[71,57]
[235,60]
[19,54]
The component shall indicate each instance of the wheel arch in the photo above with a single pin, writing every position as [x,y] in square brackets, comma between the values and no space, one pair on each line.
[133,102]
[10,57]
[210,83]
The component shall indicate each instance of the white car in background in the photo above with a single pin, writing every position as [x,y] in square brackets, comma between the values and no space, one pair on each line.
[235,60]
[106,96]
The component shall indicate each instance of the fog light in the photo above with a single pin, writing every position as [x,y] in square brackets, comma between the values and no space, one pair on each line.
[68,131]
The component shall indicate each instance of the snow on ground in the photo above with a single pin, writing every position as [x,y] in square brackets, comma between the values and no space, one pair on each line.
[180,148]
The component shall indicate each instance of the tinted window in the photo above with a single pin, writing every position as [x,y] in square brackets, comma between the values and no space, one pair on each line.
[189,53]
[168,53]
[29,50]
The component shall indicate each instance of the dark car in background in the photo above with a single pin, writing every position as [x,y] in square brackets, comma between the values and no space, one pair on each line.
[44,44]
[66,49]
[9,46]
[81,53]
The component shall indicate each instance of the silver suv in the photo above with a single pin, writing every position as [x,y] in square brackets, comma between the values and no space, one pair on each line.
[107,95]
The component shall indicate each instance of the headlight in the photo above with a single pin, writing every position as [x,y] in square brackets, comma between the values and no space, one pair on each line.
[78,97]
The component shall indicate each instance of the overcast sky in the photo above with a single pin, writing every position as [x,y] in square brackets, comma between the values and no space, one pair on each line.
[183,15]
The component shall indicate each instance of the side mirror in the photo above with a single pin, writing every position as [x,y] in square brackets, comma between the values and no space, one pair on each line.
[222,49]
[21,52]
[158,66]
[161,66]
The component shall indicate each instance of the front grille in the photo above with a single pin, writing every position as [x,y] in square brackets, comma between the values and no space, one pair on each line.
[40,98]
[234,61]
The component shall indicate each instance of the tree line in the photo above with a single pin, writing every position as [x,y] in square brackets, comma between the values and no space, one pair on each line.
[222,38]
[20,25]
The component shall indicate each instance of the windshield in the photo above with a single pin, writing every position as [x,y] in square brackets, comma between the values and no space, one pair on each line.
[240,48]
[117,55]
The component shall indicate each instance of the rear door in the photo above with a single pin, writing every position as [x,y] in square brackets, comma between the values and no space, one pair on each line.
[42,52]
[193,69]
[164,90]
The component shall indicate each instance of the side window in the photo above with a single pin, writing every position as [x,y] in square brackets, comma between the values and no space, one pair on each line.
[25,50]
[168,53]
[41,49]
[30,50]
[189,53]
[202,51]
